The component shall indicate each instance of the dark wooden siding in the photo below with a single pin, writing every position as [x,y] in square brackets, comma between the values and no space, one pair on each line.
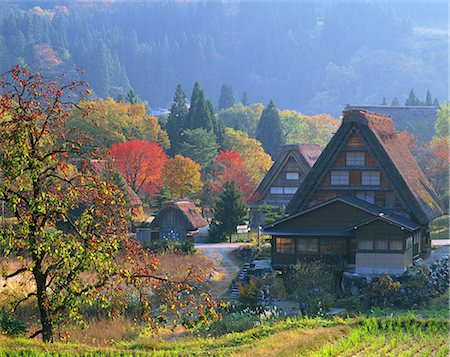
[336,214]
[172,226]
[355,143]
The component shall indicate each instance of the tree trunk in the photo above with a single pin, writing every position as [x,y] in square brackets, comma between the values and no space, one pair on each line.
[47,326]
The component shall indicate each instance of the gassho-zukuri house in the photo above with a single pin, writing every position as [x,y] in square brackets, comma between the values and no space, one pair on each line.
[365,201]
[283,179]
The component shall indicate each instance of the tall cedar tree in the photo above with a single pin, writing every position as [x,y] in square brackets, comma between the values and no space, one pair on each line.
[177,118]
[230,210]
[428,98]
[244,99]
[226,98]
[69,240]
[202,115]
[269,131]
[200,145]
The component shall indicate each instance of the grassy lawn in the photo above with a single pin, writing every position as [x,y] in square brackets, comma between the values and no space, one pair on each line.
[440,228]
[403,335]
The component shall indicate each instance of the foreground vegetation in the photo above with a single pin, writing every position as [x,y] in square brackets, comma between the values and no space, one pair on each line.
[404,335]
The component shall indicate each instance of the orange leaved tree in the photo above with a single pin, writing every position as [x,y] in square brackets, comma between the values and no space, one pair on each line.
[141,163]
[182,176]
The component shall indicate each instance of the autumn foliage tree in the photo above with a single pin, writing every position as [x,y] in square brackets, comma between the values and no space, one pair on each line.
[181,175]
[141,164]
[230,166]
[70,236]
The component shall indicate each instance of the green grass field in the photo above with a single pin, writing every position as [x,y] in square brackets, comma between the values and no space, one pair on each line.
[382,336]
[440,228]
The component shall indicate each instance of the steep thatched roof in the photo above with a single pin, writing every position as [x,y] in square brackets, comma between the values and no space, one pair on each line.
[418,120]
[393,156]
[189,211]
[305,154]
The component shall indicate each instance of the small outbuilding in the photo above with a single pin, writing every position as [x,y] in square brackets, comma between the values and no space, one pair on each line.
[177,221]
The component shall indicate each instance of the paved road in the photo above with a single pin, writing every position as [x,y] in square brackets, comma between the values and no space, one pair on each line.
[225,267]
[439,242]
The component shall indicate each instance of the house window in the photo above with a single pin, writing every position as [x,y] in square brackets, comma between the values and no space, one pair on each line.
[276,190]
[370,178]
[381,245]
[365,245]
[340,177]
[367,196]
[354,159]
[409,242]
[292,176]
[289,190]
[307,246]
[285,245]
[395,245]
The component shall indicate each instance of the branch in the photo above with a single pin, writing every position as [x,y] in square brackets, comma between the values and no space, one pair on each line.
[38,332]
[23,300]
[17,272]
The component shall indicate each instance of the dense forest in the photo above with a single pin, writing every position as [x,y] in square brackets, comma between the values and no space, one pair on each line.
[313,57]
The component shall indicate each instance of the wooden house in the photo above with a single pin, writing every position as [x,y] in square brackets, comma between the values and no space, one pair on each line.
[365,201]
[177,221]
[283,179]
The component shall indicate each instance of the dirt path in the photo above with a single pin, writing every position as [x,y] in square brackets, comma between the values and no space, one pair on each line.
[225,267]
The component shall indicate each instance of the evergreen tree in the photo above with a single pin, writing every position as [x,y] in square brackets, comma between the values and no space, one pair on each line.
[230,210]
[177,118]
[412,99]
[131,97]
[199,144]
[395,102]
[201,114]
[244,99]
[429,98]
[269,131]
[384,101]
[436,102]
[226,99]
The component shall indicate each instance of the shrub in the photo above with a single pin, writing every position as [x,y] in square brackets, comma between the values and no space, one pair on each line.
[234,322]
[169,246]
[10,325]
[313,285]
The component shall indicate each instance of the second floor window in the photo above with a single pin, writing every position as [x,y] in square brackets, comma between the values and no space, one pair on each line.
[339,177]
[292,176]
[370,178]
[354,159]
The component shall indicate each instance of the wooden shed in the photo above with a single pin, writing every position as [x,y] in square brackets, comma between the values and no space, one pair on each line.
[177,221]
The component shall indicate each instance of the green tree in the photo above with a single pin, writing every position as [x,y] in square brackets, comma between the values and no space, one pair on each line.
[395,102]
[384,101]
[199,144]
[428,98]
[226,98]
[269,131]
[131,97]
[230,210]
[244,100]
[412,99]
[441,125]
[202,115]
[244,118]
[436,102]
[177,118]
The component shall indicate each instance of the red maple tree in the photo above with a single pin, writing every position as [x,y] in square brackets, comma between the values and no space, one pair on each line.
[141,163]
[228,166]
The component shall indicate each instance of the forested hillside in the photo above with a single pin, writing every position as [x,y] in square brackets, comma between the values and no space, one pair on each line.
[314,57]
